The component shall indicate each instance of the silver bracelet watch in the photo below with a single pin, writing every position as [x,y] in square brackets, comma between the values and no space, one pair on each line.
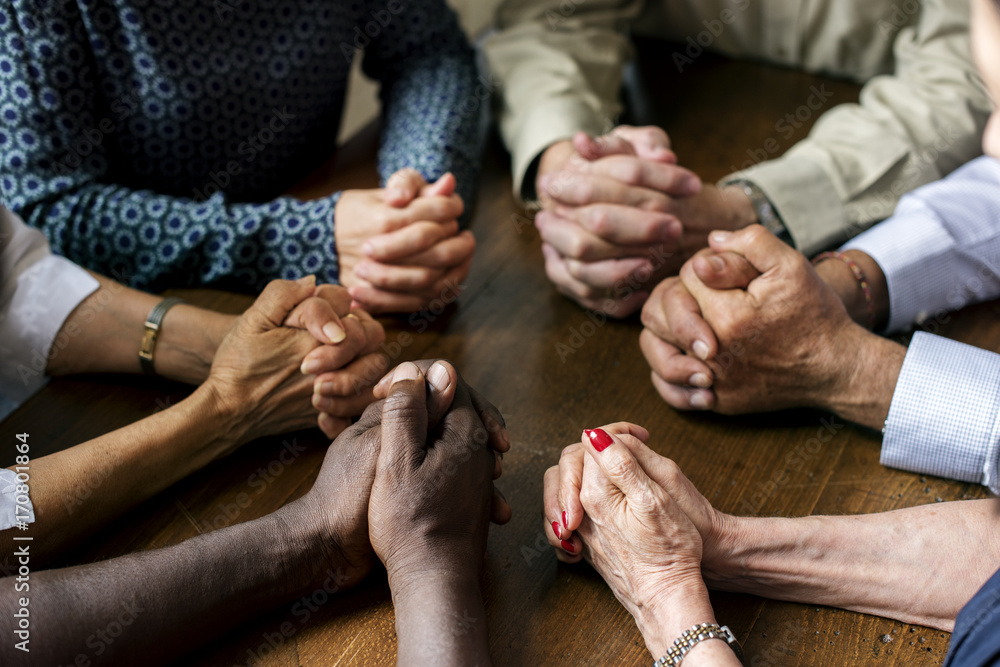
[691,638]
[766,215]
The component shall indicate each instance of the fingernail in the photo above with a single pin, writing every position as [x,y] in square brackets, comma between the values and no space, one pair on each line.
[673,230]
[367,248]
[438,377]
[555,529]
[599,439]
[717,264]
[406,371]
[325,389]
[700,380]
[309,280]
[325,421]
[720,236]
[692,185]
[317,401]
[700,348]
[310,366]
[567,546]
[334,332]
[396,193]
[361,270]
[699,401]
[565,522]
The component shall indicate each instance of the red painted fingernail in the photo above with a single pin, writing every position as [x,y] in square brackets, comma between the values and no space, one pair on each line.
[555,528]
[567,546]
[599,439]
[565,522]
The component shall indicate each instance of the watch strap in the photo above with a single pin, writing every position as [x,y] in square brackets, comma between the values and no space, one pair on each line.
[151,331]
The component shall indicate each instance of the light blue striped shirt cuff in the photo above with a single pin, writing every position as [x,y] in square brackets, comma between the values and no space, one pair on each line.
[944,419]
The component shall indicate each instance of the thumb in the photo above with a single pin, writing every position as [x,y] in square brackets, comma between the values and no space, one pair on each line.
[650,142]
[618,464]
[403,186]
[725,270]
[404,419]
[591,148]
[442,187]
[277,300]
[762,249]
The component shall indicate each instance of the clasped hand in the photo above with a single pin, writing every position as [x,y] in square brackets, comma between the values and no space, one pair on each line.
[619,215]
[400,247]
[298,340]
[412,480]
[748,326]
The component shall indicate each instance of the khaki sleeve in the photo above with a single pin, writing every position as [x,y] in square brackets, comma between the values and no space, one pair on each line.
[909,129]
[558,65]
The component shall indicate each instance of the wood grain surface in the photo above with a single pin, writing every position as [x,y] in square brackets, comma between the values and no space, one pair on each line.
[553,370]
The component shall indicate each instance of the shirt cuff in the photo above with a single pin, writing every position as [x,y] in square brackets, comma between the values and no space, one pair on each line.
[45,295]
[943,419]
[804,198]
[907,258]
[9,516]
[543,126]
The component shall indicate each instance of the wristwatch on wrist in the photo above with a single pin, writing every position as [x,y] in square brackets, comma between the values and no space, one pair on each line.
[766,215]
[151,330]
[691,638]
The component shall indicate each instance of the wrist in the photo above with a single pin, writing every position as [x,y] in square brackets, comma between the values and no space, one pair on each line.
[866,379]
[188,339]
[684,604]
[841,279]
[440,618]
[230,425]
[554,158]
[742,212]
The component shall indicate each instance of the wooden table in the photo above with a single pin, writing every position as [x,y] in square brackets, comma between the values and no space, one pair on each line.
[509,336]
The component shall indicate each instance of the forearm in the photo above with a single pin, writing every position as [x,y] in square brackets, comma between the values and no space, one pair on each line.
[103,335]
[865,563]
[211,242]
[80,489]
[440,620]
[559,72]
[447,133]
[168,600]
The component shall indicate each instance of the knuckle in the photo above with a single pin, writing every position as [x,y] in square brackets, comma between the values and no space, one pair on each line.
[600,221]
[618,465]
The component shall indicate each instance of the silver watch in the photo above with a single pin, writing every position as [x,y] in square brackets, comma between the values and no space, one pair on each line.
[691,638]
[766,215]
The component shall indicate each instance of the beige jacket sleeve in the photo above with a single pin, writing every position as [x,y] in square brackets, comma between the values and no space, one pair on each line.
[909,129]
[559,65]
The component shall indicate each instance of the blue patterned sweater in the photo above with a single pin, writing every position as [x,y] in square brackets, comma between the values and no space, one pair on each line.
[151,141]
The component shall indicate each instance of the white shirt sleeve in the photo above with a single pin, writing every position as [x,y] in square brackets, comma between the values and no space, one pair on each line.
[944,418]
[9,516]
[940,250]
[38,291]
